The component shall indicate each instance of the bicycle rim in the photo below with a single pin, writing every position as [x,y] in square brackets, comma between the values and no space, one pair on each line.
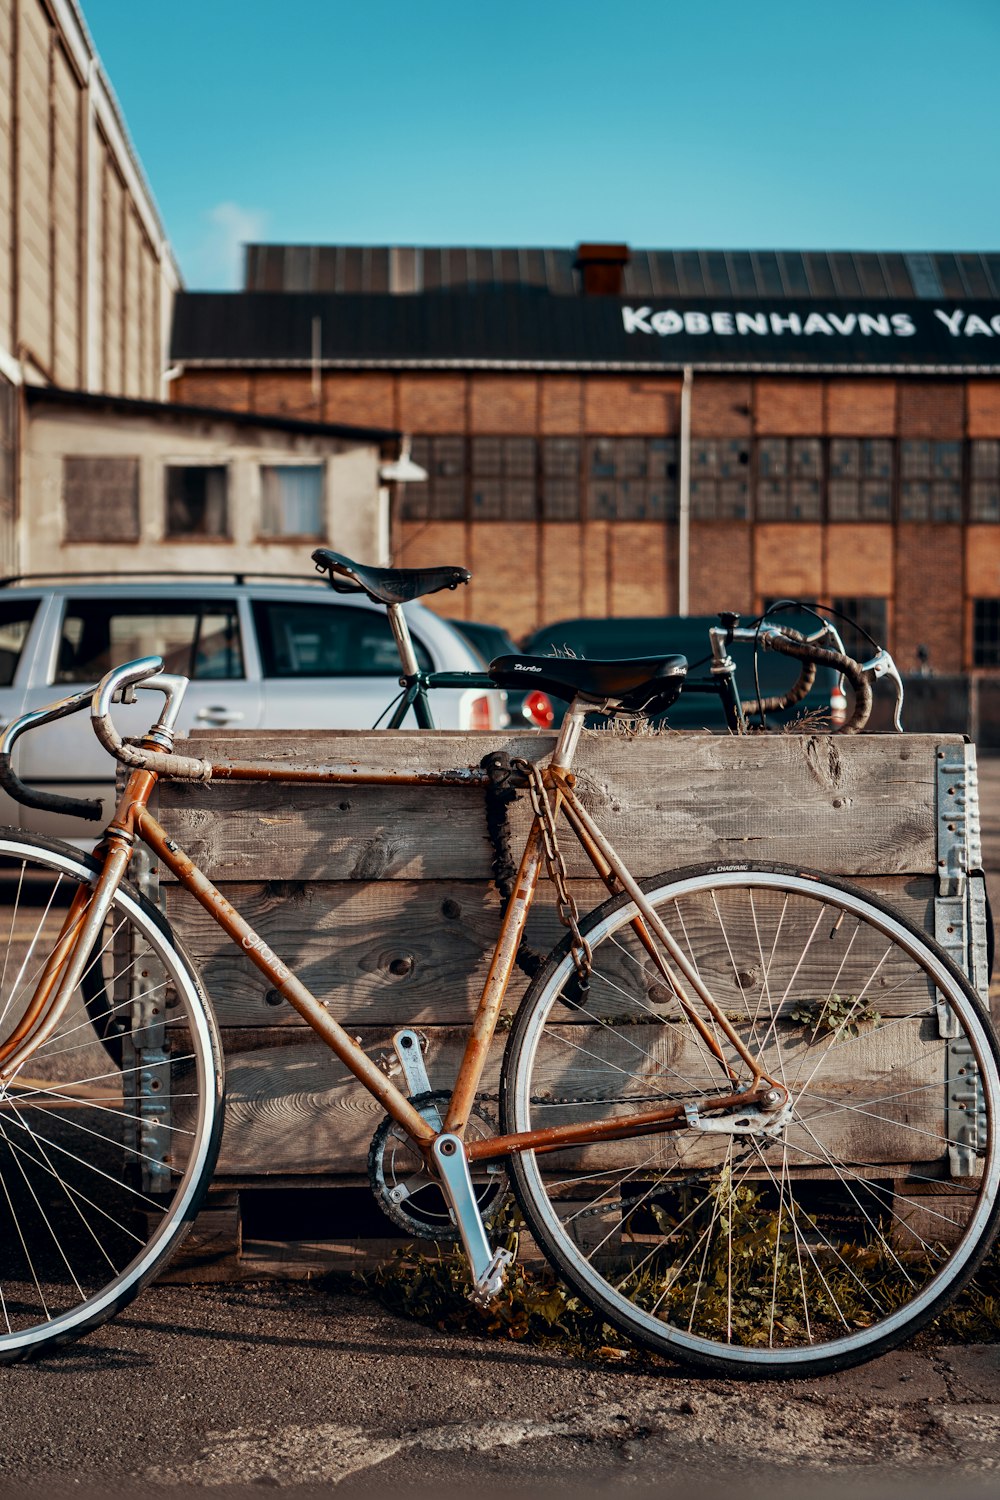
[806,1250]
[109,1129]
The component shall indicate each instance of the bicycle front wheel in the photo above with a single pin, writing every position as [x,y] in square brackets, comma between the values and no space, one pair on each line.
[109,1128]
[827,1238]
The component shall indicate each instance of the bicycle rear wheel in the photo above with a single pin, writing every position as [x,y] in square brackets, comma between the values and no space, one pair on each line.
[792,1253]
[109,1130]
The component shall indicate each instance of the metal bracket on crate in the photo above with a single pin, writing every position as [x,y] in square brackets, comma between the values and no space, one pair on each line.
[153,1090]
[960,929]
[141,995]
[144,875]
[959,845]
[966,1110]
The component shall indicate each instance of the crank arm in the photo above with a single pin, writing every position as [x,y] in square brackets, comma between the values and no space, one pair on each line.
[406,1045]
[488,1266]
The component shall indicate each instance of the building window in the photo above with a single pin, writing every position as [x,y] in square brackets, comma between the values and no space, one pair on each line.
[503,479]
[561,458]
[553,479]
[442,498]
[720,473]
[860,483]
[100,499]
[631,479]
[930,480]
[292,500]
[863,614]
[8,441]
[196,500]
[986,632]
[789,479]
[984,480]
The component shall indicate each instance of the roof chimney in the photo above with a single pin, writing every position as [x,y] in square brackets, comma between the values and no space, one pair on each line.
[602,269]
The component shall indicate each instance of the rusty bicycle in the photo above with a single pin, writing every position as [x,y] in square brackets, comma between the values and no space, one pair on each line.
[723,1105]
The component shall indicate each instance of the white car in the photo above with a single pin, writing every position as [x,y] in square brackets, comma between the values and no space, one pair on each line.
[260,653]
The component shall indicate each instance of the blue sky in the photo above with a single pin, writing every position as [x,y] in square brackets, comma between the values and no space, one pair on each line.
[868,124]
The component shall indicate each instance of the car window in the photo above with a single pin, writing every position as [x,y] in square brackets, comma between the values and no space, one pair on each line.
[328,640]
[490,641]
[16,616]
[624,637]
[200,640]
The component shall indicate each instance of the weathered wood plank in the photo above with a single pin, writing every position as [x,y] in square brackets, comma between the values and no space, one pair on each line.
[380,899]
[294,1109]
[398,952]
[852,806]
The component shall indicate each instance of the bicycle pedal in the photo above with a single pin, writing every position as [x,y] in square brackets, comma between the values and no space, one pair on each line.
[488,1286]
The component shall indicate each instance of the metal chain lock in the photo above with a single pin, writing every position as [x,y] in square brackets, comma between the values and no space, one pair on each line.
[569,914]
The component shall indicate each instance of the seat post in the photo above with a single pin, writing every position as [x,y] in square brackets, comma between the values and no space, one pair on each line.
[401,635]
[569,735]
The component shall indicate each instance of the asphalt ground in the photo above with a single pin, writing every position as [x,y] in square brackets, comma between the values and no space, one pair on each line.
[230,1388]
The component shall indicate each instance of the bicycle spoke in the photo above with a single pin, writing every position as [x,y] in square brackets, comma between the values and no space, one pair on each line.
[99,1175]
[801,1245]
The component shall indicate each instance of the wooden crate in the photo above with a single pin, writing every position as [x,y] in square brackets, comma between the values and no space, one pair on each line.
[381,899]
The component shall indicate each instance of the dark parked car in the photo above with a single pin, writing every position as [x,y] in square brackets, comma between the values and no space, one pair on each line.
[641,635]
[528,710]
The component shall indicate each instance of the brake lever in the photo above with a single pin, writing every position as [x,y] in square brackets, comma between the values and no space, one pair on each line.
[882,665]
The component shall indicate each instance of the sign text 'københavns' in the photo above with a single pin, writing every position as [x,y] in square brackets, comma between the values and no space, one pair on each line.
[844,324]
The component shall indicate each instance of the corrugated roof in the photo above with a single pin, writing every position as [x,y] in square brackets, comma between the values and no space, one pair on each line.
[407,269]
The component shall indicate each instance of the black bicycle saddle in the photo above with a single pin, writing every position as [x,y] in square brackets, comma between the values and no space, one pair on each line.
[645,684]
[386,585]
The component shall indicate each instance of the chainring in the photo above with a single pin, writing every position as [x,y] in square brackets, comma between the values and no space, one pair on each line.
[406,1191]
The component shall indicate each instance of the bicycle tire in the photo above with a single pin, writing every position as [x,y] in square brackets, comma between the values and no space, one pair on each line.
[753,1256]
[110,1129]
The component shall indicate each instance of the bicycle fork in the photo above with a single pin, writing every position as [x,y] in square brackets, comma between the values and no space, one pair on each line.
[63,970]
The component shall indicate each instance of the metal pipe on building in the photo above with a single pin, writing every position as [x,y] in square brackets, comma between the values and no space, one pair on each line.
[684,485]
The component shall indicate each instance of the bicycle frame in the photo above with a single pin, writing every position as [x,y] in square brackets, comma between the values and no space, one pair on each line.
[133,819]
[415,689]
[415,682]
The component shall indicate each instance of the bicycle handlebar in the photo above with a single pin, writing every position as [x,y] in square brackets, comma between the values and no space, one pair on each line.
[145,672]
[808,651]
[91,808]
[803,684]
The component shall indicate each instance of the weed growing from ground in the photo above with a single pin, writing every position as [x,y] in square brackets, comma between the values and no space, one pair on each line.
[537,1308]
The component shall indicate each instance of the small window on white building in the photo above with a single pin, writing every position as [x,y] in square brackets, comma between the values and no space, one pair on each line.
[292,500]
[197,500]
[100,499]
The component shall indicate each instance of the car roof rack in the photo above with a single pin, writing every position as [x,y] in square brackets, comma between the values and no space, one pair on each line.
[225,574]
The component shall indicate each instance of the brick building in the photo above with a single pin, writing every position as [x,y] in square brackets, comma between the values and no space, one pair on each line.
[646,432]
[97,469]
